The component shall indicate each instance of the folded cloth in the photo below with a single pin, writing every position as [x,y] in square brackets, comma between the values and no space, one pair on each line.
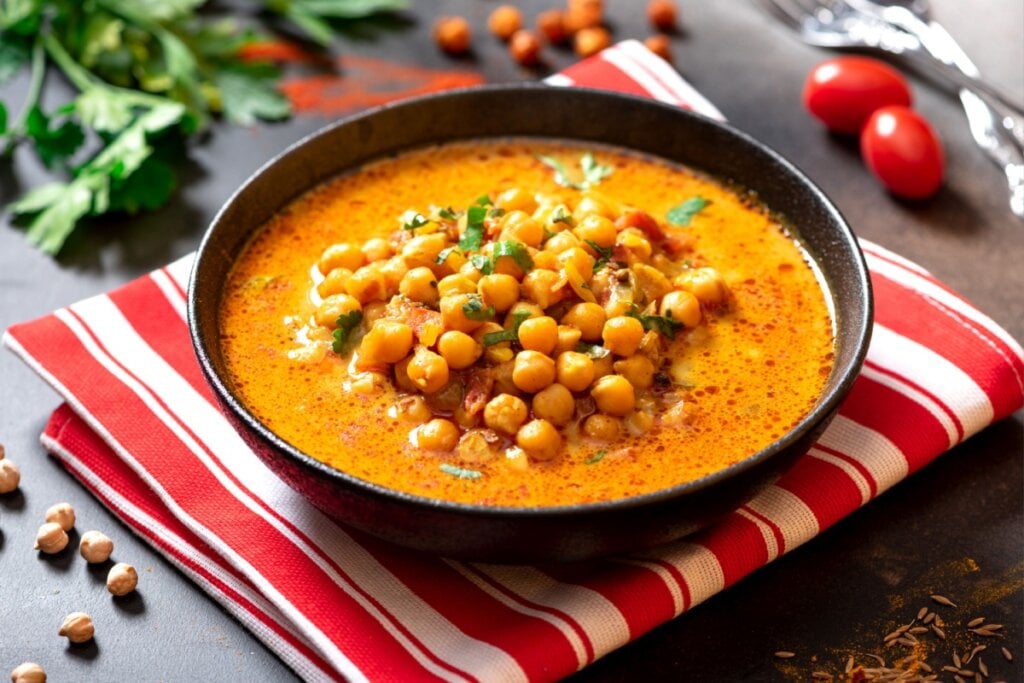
[141,431]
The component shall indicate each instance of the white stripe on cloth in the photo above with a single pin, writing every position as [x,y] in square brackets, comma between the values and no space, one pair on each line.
[771,545]
[862,484]
[671,584]
[265,490]
[789,512]
[870,247]
[684,92]
[885,463]
[167,286]
[900,385]
[142,522]
[181,270]
[699,567]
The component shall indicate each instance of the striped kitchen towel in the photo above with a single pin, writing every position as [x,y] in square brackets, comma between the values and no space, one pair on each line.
[140,429]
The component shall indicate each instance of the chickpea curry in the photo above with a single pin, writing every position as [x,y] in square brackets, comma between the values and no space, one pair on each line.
[525,322]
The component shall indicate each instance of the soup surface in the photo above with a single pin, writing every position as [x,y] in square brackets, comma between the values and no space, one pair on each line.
[524,322]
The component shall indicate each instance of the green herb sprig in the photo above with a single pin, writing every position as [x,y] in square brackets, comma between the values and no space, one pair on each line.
[682,214]
[593,172]
[661,324]
[509,335]
[346,323]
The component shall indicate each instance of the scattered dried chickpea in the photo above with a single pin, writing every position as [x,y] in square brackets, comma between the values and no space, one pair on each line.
[3,452]
[122,579]
[590,41]
[51,538]
[95,547]
[63,514]
[452,35]
[583,14]
[525,47]
[662,14]
[504,21]
[77,628]
[10,476]
[552,24]
[660,45]
[29,672]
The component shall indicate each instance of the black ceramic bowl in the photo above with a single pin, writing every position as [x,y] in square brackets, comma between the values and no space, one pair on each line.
[507,534]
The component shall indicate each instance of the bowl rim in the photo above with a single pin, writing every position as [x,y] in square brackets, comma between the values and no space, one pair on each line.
[828,402]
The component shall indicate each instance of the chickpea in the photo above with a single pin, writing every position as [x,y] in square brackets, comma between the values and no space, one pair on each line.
[636,246]
[588,318]
[544,260]
[455,284]
[503,378]
[602,427]
[704,283]
[438,435]
[413,409]
[51,538]
[682,306]
[504,21]
[334,282]
[28,672]
[452,35]
[454,314]
[63,514]
[420,284]
[622,335]
[470,271]
[604,366]
[369,383]
[638,369]
[422,250]
[500,291]
[77,627]
[505,413]
[10,476]
[540,439]
[332,307]
[596,229]
[533,371]
[591,204]
[561,242]
[638,423]
[516,199]
[520,307]
[341,256]
[554,404]
[539,287]
[122,579]
[376,249]
[388,341]
[662,14]
[525,47]
[575,370]
[367,284]
[581,258]
[660,45]
[427,370]
[95,547]
[614,395]
[401,376]
[552,24]
[521,227]
[568,338]
[458,349]
[392,270]
[582,14]
[539,334]
[373,312]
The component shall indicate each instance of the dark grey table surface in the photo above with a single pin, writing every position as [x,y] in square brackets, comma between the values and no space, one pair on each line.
[955,528]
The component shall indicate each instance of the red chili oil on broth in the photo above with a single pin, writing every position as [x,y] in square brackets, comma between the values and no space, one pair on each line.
[720,389]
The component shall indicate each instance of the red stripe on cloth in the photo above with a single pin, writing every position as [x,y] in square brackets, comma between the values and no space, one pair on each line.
[780,540]
[824,487]
[596,73]
[681,581]
[857,465]
[937,400]
[738,544]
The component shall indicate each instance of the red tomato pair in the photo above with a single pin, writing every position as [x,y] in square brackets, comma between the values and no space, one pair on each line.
[866,96]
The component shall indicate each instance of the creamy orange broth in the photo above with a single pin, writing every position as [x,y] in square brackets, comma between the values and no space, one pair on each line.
[747,375]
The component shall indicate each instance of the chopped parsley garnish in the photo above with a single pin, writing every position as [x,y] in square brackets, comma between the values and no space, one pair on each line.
[659,323]
[594,351]
[682,214]
[418,221]
[473,238]
[346,323]
[596,457]
[593,172]
[445,253]
[449,214]
[604,254]
[515,250]
[460,472]
[497,212]
[483,200]
[562,215]
[474,309]
[482,263]
[492,338]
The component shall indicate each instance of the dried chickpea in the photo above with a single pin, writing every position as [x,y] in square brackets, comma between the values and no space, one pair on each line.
[533,371]
[427,370]
[588,318]
[540,439]
[334,306]
[521,226]
[638,369]
[662,14]
[505,413]
[614,395]
[388,341]
[552,24]
[622,335]
[376,249]
[367,284]
[602,427]
[28,672]
[704,283]
[597,229]
[500,291]
[568,338]
[575,370]
[438,435]
[453,311]
[555,404]
[539,334]
[583,14]
[452,35]
[525,47]
[539,287]
[682,306]
[458,349]
[420,284]
[122,579]
[95,547]
[504,21]
[455,284]
[341,256]
[516,199]
[580,258]
[10,476]
[660,45]
[51,538]
[77,627]
[63,514]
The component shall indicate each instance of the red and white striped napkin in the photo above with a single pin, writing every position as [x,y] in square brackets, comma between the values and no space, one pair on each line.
[139,428]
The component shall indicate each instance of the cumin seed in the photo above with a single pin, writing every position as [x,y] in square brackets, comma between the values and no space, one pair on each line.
[821,675]
[924,665]
[958,679]
[943,600]
[939,632]
[849,665]
[918,629]
[785,654]
[975,622]
[920,613]
[976,650]
[951,669]
[982,667]
[956,660]
[906,641]
[1007,654]
[966,672]
[928,618]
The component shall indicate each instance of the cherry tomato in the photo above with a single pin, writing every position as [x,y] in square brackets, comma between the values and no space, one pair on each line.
[903,151]
[843,92]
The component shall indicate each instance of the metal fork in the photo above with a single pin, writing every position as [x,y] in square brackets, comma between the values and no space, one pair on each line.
[837,24]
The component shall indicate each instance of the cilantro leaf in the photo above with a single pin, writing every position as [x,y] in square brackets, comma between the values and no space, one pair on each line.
[562,215]
[313,16]
[102,110]
[445,253]
[604,254]
[474,309]
[346,323]
[418,221]
[449,214]
[664,325]
[561,175]
[682,214]
[14,54]
[3,118]
[514,250]
[249,92]
[473,238]
[510,335]
[595,351]
[596,457]
[482,263]
[149,187]
[593,172]
[56,144]
[460,472]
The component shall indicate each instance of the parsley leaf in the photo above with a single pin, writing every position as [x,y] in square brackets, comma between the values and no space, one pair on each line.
[510,335]
[595,351]
[604,254]
[3,118]
[14,54]
[249,92]
[561,175]
[460,472]
[444,254]
[473,238]
[596,457]
[314,17]
[664,325]
[482,263]
[56,144]
[682,214]
[418,221]
[449,214]
[474,309]
[562,215]
[346,323]
[516,251]
[593,172]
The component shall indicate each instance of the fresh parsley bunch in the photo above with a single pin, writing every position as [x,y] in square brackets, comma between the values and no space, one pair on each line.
[148,73]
